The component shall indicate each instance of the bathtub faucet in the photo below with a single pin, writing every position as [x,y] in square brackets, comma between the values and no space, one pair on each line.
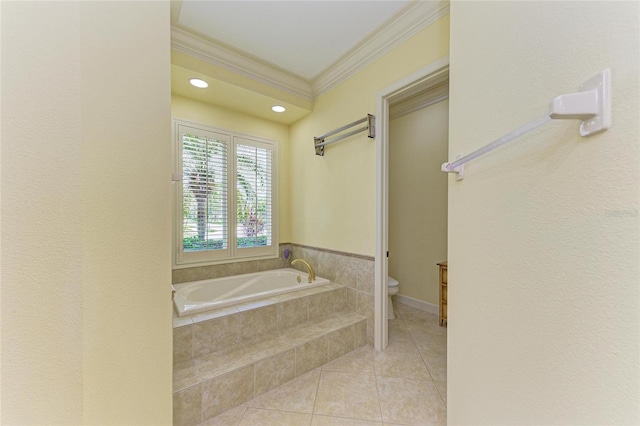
[312,275]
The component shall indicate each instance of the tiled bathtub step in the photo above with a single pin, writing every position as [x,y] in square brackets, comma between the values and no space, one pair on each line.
[215,331]
[208,385]
[340,334]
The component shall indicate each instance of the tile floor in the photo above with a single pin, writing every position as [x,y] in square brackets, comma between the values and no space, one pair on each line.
[405,385]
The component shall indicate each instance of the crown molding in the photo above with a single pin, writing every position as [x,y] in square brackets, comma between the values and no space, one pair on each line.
[432,95]
[407,22]
[238,63]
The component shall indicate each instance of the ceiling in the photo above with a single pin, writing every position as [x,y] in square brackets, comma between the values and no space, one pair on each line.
[301,37]
[255,54]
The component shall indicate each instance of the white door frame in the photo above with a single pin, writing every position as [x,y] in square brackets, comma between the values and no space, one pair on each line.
[432,74]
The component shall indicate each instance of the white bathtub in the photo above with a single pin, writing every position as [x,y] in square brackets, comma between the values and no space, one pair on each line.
[199,296]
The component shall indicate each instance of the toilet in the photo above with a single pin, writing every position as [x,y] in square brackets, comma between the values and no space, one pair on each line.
[393,286]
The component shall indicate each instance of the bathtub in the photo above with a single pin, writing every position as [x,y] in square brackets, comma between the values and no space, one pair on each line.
[200,296]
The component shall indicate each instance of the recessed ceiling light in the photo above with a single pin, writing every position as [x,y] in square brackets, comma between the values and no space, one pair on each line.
[278,108]
[199,83]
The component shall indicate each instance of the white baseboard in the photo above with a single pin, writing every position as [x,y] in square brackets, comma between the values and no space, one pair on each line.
[418,304]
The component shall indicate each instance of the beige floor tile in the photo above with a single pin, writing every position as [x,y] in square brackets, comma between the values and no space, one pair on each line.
[297,395]
[408,401]
[318,420]
[437,370]
[228,418]
[359,361]
[258,416]
[432,352]
[402,339]
[400,361]
[348,395]
[435,358]
[399,334]
[430,340]
[442,388]
[401,345]
[396,324]
[422,330]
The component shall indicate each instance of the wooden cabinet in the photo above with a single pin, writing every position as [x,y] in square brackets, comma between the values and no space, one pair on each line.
[443,292]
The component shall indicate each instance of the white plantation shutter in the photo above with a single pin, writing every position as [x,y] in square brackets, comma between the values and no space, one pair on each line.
[204,189]
[226,202]
[254,194]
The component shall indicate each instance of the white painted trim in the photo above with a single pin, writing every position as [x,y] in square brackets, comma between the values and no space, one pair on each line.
[176,8]
[417,303]
[239,63]
[409,108]
[416,82]
[407,22]
[420,100]
[380,292]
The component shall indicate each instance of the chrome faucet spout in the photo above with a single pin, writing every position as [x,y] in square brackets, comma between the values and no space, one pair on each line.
[312,275]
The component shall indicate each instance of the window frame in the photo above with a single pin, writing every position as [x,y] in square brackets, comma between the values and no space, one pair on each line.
[182,259]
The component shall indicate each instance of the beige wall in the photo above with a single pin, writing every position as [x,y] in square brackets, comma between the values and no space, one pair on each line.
[332,198]
[86,213]
[199,112]
[418,145]
[543,233]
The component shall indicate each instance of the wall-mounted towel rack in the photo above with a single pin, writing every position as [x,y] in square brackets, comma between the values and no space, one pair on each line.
[320,142]
[592,105]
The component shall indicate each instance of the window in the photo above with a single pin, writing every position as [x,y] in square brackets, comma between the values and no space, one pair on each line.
[226,201]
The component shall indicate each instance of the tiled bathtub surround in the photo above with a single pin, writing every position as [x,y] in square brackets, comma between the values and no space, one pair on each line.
[227,357]
[355,272]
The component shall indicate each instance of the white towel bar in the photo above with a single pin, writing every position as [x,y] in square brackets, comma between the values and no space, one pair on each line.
[592,105]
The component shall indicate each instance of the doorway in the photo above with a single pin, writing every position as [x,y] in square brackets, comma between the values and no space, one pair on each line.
[419,144]
[427,80]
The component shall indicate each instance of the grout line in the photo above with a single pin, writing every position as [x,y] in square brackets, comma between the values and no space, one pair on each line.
[379,399]
[440,393]
[274,410]
[315,399]
[246,408]
[413,339]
